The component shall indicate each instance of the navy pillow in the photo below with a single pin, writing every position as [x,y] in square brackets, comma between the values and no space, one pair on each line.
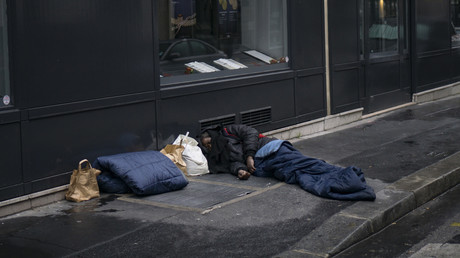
[144,173]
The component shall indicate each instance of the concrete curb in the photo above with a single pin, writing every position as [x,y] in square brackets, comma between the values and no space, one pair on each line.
[363,219]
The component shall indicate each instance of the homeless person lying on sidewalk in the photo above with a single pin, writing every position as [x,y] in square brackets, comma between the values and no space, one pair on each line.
[242,151]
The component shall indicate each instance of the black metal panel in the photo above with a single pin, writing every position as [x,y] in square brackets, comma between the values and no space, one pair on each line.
[383,77]
[310,94]
[180,114]
[307,33]
[388,83]
[345,91]
[432,29]
[405,68]
[9,116]
[388,99]
[455,63]
[82,106]
[312,71]
[66,50]
[11,192]
[432,69]
[55,145]
[225,83]
[344,46]
[10,155]
[435,63]
[344,33]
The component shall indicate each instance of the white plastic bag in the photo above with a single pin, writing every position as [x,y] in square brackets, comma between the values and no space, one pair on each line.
[196,162]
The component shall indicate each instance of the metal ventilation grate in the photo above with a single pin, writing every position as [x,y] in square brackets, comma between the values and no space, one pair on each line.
[220,120]
[256,116]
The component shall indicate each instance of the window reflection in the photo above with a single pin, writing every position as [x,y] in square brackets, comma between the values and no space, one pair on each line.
[383,30]
[217,35]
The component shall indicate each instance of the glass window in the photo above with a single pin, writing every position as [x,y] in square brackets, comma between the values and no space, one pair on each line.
[455,25]
[179,50]
[221,36]
[4,74]
[199,48]
[383,26]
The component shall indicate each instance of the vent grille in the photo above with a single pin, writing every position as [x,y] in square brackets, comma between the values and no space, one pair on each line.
[220,120]
[256,116]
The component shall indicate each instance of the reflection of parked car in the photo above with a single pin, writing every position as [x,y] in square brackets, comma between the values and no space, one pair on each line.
[175,53]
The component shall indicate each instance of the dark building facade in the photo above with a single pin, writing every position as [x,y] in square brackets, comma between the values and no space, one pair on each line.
[87,78]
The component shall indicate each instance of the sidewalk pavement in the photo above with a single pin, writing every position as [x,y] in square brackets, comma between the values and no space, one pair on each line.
[409,156]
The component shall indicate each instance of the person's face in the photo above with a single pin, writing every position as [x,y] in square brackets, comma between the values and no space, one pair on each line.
[206,142]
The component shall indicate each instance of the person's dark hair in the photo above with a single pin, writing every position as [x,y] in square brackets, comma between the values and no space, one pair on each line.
[204,135]
[218,156]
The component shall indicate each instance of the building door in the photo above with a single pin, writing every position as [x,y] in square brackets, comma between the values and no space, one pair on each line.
[385,50]
[368,54]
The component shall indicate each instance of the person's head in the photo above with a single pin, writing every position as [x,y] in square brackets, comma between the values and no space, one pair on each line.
[205,140]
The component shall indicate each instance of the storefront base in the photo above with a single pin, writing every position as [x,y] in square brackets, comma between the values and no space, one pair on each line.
[317,125]
[310,128]
[438,93]
[31,201]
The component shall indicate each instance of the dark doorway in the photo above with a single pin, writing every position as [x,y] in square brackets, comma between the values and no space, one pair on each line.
[369,54]
[386,53]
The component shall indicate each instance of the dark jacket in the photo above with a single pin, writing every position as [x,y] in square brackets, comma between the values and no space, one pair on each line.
[239,141]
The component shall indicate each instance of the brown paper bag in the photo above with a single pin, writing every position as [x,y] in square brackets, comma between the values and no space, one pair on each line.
[174,153]
[83,183]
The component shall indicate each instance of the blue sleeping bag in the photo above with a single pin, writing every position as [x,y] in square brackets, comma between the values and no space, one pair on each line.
[143,173]
[281,160]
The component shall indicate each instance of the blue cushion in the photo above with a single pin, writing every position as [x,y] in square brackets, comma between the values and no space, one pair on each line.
[144,173]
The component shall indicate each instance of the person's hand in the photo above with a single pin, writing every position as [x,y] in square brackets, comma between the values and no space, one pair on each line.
[250,164]
[243,174]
